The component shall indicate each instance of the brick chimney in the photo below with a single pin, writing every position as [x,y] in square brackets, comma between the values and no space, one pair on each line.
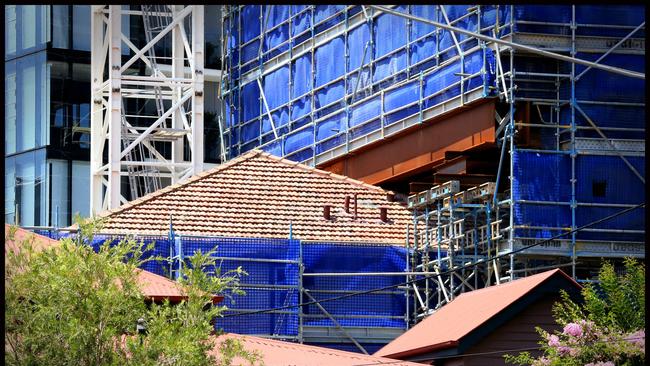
[327,212]
[383,214]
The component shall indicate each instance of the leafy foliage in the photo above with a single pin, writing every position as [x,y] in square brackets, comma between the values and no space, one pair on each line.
[607,329]
[69,305]
[621,305]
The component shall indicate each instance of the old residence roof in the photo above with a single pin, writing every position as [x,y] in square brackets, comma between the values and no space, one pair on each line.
[153,286]
[445,328]
[274,352]
[262,196]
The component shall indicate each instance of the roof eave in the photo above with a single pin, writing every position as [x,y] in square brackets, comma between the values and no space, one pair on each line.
[421,350]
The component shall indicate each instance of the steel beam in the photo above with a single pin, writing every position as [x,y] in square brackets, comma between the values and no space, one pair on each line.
[198,44]
[97,136]
[115,105]
[178,57]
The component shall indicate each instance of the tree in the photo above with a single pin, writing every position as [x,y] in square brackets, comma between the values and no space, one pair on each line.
[607,329]
[69,305]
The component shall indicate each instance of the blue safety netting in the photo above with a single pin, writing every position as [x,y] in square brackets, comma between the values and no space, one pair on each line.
[367,310]
[161,248]
[591,20]
[374,55]
[620,185]
[272,280]
[546,177]
[604,86]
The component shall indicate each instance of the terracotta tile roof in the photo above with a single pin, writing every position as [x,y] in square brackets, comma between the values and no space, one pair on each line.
[259,195]
[158,288]
[449,324]
[275,352]
[153,286]
[39,242]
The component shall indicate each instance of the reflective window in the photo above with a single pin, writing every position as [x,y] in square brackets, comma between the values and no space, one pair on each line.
[81,22]
[26,103]
[70,109]
[60,26]
[10,107]
[10,30]
[29,188]
[81,27]
[212,36]
[81,188]
[59,199]
[81,124]
[10,191]
[27,29]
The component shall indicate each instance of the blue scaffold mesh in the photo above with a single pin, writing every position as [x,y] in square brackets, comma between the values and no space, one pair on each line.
[316,105]
[371,348]
[160,249]
[382,309]
[272,281]
[620,186]
[602,180]
[156,259]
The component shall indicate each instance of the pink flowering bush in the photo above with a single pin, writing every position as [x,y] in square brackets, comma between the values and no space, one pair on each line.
[608,329]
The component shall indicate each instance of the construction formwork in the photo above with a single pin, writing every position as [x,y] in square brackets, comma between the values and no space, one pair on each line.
[284,273]
[315,83]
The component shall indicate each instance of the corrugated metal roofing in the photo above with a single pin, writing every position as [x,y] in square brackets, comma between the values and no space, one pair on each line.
[274,352]
[468,311]
[259,195]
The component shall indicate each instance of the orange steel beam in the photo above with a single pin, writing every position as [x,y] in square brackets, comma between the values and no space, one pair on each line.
[419,149]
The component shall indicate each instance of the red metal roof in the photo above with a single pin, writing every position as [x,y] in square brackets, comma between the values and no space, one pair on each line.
[468,311]
[153,286]
[259,195]
[274,352]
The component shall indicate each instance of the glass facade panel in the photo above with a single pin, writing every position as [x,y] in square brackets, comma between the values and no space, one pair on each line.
[10,107]
[60,195]
[81,188]
[81,27]
[10,30]
[26,103]
[29,188]
[60,26]
[213,37]
[10,191]
[26,29]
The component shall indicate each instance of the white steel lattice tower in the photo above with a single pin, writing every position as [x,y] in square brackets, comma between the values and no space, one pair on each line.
[134,150]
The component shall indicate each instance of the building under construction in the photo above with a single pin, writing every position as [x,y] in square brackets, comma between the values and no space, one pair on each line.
[498,127]
[505,125]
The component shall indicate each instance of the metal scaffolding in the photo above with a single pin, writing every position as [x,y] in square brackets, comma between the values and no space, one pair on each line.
[288,273]
[447,223]
[122,147]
